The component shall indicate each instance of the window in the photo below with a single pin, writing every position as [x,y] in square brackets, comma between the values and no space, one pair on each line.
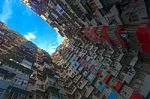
[15,80]
[59,9]
[18,82]
[1,91]
[41,86]
[22,82]
[1,77]
[25,82]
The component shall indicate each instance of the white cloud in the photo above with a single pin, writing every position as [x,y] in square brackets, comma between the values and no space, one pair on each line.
[6,11]
[30,36]
[51,49]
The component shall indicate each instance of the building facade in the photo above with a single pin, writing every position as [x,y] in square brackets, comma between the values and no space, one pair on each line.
[106,48]
[26,71]
[108,51]
[93,72]
[116,21]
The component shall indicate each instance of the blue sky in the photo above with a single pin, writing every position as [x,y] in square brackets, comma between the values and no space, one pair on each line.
[22,19]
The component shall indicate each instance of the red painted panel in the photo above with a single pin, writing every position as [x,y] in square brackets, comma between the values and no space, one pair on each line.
[118,85]
[143,36]
[91,68]
[136,95]
[107,78]
[99,73]
[146,47]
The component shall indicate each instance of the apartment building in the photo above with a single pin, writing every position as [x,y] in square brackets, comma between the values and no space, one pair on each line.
[107,55]
[26,71]
[107,74]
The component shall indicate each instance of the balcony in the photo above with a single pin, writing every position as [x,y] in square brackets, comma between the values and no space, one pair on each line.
[13,66]
[106,3]
[71,90]
[130,75]
[89,90]
[48,66]
[36,85]
[31,87]
[40,87]
[26,63]
[6,75]
[77,10]
[82,83]
[4,84]
[93,5]
[118,56]
[78,95]
[126,92]
[50,82]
